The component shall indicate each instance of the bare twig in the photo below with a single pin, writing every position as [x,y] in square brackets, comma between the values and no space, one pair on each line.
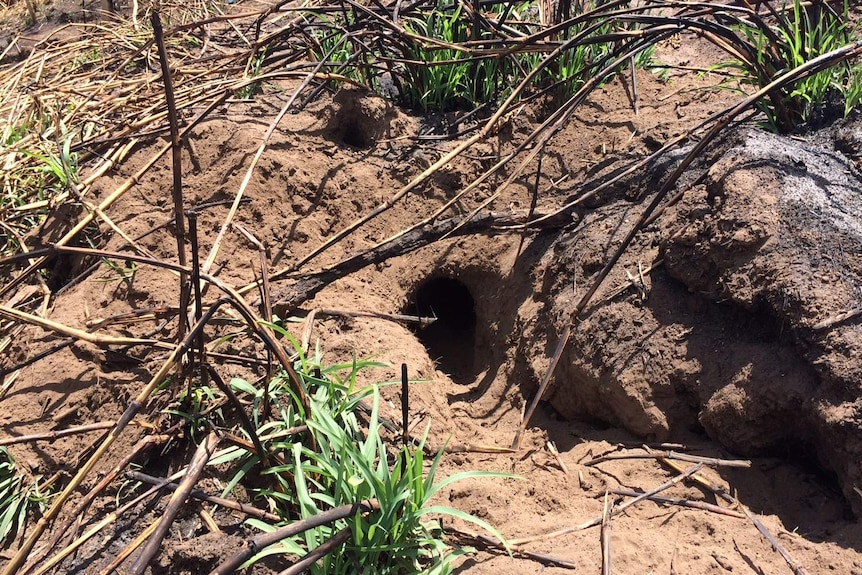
[318,552]
[220,501]
[556,453]
[177,161]
[196,466]
[616,511]
[398,317]
[684,503]
[794,565]
[103,340]
[711,461]
[605,536]
[836,319]
[64,527]
[264,540]
[130,548]
[473,448]
[52,435]
[94,530]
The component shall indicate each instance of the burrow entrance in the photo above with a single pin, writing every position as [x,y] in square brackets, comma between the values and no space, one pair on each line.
[451,340]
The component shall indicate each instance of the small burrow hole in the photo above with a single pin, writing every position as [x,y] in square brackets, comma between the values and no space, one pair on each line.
[354,135]
[451,340]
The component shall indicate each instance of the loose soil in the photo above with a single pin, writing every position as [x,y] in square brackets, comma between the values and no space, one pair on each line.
[718,350]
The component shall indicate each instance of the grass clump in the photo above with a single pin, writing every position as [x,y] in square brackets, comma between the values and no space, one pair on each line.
[39,173]
[449,56]
[17,497]
[343,458]
[795,34]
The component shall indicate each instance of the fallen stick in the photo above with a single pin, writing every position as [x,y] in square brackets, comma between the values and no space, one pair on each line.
[617,510]
[264,540]
[136,405]
[399,317]
[200,495]
[130,548]
[684,503]
[196,467]
[94,530]
[101,340]
[80,508]
[318,552]
[836,319]
[794,565]
[473,448]
[711,461]
[52,435]
[556,453]
[605,537]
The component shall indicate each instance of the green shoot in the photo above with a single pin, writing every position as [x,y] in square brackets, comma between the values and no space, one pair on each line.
[799,34]
[349,462]
[17,498]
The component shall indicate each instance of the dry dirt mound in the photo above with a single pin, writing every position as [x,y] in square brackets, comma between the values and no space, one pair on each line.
[747,322]
[723,340]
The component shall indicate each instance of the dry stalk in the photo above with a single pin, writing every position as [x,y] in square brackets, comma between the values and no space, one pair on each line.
[318,552]
[134,407]
[201,457]
[616,511]
[101,340]
[64,528]
[684,503]
[711,461]
[794,565]
[52,435]
[264,540]
[396,317]
[250,171]
[131,548]
[95,529]
[176,161]
[266,303]
[200,495]
[605,537]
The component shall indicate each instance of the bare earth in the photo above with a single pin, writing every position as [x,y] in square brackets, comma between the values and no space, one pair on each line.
[679,361]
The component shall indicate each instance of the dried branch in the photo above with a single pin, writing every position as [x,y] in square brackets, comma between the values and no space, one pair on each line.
[605,536]
[52,435]
[220,501]
[794,565]
[264,540]
[178,499]
[684,503]
[711,461]
[616,511]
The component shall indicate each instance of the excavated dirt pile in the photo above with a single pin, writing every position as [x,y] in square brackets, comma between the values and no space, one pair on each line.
[745,326]
[733,335]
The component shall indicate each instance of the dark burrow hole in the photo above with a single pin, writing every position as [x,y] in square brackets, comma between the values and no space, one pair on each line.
[354,135]
[451,340]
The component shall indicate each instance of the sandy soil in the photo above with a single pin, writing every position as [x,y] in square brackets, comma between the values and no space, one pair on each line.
[337,160]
